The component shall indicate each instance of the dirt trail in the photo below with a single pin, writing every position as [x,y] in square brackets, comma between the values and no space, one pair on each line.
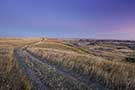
[34,68]
[30,70]
[69,74]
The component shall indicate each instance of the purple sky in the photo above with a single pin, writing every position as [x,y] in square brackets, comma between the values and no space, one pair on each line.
[103,19]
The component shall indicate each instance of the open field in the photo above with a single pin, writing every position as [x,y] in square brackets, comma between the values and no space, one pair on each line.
[66,64]
[11,76]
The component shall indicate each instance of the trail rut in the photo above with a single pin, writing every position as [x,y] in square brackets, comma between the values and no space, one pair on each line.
[35,70]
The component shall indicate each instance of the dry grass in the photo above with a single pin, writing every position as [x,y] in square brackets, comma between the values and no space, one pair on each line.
[58,45]
[112,74]
[56,80]
[109,50]
[102,63]
[11,77]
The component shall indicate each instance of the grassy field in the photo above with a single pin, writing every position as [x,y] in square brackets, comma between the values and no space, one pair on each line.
[114,71]
[11,76]
[56,64]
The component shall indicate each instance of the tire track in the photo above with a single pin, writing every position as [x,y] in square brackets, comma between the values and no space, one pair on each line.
[35,70]
[30,71]
[67,74]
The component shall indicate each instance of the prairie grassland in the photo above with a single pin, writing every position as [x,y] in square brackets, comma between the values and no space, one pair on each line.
[53,78]
[113,74]
[11,76]
[58,45]
[108,65]
[111,50]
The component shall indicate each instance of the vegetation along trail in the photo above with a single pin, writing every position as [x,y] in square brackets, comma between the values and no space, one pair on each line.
[45,76]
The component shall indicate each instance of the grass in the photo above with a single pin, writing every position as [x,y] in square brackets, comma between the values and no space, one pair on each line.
[111,74]
[11,77]
[100,63]
[54,79]
[107,50]
[59,46]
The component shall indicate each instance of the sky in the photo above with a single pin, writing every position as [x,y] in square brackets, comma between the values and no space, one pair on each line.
[99,19]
